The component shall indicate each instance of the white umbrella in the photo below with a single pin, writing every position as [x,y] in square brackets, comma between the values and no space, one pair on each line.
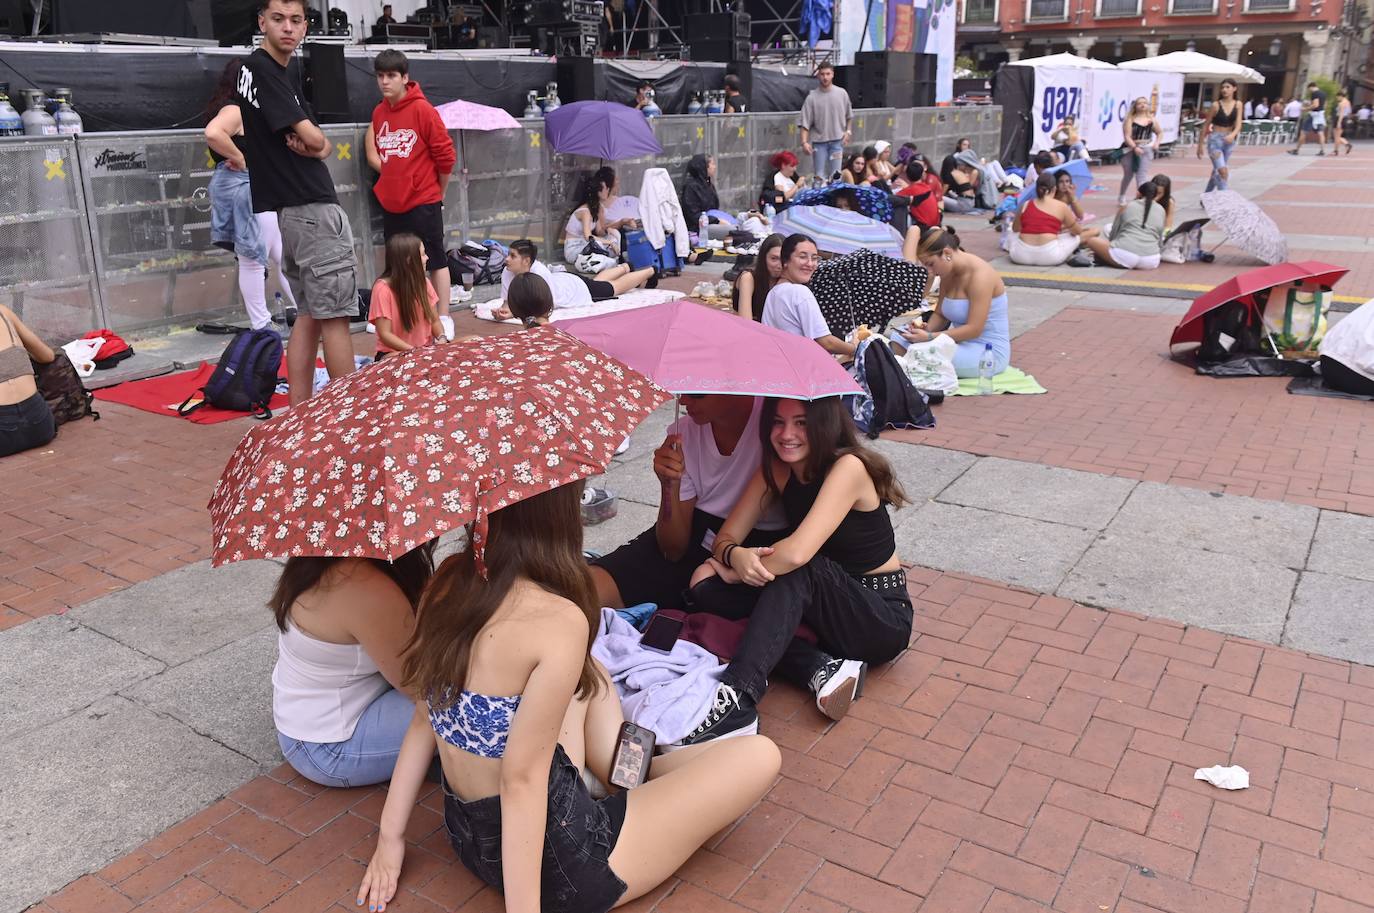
[1195,67]
[1064,60]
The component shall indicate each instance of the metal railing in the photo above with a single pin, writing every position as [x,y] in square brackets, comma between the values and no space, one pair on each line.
[113,229]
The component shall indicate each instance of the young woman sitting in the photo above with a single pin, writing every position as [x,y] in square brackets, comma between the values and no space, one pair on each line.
[1069,142]
[699,195]
[792,307]
[783,182]
[403,300]
[1137,236]
[961,185]
[1067,193]
[518,708]
[837,572]
[1046,230]
[530,300]
[25,419]
[880,164]
[971,309]
[752,287]
[855,169]
[587,223]
[340,707]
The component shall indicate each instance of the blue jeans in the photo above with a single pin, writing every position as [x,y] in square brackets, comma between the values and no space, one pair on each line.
[1219,151]
[825,157]
[367,757]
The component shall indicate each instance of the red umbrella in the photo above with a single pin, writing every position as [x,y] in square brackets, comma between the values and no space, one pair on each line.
[1244,287]
[398,452]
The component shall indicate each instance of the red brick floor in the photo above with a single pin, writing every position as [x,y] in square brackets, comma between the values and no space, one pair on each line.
[1026,754]
[1117,405]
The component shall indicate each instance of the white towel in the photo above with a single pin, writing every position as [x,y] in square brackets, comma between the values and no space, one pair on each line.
[669,693]
[661,212]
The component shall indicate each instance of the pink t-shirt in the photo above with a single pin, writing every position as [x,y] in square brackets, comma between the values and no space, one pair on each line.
[384,305]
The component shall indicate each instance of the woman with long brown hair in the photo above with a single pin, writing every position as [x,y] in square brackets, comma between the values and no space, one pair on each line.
[403,299]
[517,708]
[837,571]
[1140,136]
[753,285]
[1220,130]
[337,697]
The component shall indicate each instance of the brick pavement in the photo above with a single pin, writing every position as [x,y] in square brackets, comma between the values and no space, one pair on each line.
[1118,406]
[1026,754]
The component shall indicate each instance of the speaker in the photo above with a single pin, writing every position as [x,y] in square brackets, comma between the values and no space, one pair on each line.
[581,79]
[925,95]
[926,67]
[12,17]
[716,27]
[326,82]
[728,51]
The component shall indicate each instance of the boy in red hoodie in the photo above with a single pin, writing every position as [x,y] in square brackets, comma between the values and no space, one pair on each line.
[409,145]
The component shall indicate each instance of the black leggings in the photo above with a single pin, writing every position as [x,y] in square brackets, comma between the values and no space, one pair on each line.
[851,620]
[25,425]
[1338,377]
[600,290]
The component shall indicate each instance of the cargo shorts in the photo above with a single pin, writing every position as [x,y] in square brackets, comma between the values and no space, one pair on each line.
[317,259]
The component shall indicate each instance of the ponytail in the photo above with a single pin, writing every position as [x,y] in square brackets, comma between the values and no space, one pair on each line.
[1149,190]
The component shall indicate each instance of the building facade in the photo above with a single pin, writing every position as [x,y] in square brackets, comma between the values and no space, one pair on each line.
[1288,41]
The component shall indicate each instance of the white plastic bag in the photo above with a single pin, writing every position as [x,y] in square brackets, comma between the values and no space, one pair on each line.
[82,354]
[930,365]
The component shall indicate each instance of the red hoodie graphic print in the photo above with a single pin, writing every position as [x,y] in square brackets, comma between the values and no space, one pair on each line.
[414,147]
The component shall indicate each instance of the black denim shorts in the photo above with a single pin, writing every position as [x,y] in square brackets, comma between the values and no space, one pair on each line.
[580,834]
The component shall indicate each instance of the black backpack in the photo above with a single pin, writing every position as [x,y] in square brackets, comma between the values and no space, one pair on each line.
[245,378]
[889,399]
[63,390]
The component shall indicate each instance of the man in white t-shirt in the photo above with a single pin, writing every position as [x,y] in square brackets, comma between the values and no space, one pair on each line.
[1292,110]
[569,289]
[792,308]
[703,467]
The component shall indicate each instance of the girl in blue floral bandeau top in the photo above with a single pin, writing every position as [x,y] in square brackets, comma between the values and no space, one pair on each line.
[516,708]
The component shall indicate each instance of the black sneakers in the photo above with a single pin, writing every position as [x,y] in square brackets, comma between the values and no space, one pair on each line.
[731,714]
[837,684]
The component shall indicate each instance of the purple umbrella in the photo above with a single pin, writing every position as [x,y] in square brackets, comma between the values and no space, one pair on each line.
[601,129]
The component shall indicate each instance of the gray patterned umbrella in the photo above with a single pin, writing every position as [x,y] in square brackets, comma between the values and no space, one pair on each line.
[1246,225]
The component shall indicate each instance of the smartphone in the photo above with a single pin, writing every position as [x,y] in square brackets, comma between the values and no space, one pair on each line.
[661,633]
[634,749]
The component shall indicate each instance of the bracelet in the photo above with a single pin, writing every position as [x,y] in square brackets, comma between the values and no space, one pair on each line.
[725,555]
[723,543]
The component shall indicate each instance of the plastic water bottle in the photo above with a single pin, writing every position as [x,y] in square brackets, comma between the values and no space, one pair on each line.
[985,370]
[10,122]
[703,228]
[770,210]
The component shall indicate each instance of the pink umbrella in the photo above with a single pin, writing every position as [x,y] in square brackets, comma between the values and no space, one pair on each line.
[687,347]
[466,115]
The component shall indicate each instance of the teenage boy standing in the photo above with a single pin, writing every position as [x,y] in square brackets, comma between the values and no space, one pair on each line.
[408,144]
[285,150]
[826,114]
[1313,121]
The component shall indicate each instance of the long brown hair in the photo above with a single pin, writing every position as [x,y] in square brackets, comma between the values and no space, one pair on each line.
[538,539]
[410,572]
[830,434]
[405,273]
[763,283]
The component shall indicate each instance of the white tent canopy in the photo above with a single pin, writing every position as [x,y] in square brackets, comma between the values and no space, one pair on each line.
[1063,60]
[1195,67]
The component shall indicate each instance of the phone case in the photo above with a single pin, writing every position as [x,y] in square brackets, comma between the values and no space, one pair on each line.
[634,750]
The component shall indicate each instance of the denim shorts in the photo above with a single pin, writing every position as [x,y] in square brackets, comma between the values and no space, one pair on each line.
[25,425]
[579,836]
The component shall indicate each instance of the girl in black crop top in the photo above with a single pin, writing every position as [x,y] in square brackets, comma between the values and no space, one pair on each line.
[836,572]
[1219,134]
[1140,134]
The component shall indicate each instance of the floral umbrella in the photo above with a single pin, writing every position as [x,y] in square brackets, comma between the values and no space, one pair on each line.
[399,452]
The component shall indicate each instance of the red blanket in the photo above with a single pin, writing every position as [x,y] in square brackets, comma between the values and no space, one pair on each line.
[162,395]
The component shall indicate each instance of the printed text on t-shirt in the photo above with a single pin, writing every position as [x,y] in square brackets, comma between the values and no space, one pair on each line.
[395,143]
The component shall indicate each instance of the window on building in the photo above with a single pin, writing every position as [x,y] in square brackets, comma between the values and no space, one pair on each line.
[1269,6]
[980,11]
[1192,7]
[1048,11]
[1107,8]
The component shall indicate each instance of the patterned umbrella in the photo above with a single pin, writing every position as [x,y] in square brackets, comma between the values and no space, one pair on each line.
[839,231]
[874,203]
[401,451]
[864,287]
[1246,225]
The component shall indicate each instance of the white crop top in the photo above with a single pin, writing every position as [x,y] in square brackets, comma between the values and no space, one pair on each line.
[320,689]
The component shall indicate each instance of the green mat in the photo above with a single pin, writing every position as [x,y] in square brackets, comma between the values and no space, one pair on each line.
[1012,380]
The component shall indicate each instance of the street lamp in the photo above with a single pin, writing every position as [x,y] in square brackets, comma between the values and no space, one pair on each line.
[1275,48]
[1117,48]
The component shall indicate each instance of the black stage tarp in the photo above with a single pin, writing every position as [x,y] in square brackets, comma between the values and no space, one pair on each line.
[138,89]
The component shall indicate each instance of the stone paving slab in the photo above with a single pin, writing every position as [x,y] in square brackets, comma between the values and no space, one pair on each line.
[1025,755]
[1344,544]
[225,695]
[1040,493]
[188,612]
[1269,532]
[1162,579]
[55,667]
[1333,616]
[135,773]
[1023,552]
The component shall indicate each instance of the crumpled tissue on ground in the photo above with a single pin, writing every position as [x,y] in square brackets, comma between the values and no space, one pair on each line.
[1225,777]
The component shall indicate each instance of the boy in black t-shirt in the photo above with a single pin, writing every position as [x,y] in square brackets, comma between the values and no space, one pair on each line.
[1313,120]
[285,150]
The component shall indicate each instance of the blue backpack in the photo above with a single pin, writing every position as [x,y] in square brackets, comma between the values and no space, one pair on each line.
[246,376]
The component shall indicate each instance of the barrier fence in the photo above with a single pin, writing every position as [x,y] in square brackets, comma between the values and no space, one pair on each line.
[113,229]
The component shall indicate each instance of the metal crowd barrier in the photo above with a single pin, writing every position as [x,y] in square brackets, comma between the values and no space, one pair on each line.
[113,229]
